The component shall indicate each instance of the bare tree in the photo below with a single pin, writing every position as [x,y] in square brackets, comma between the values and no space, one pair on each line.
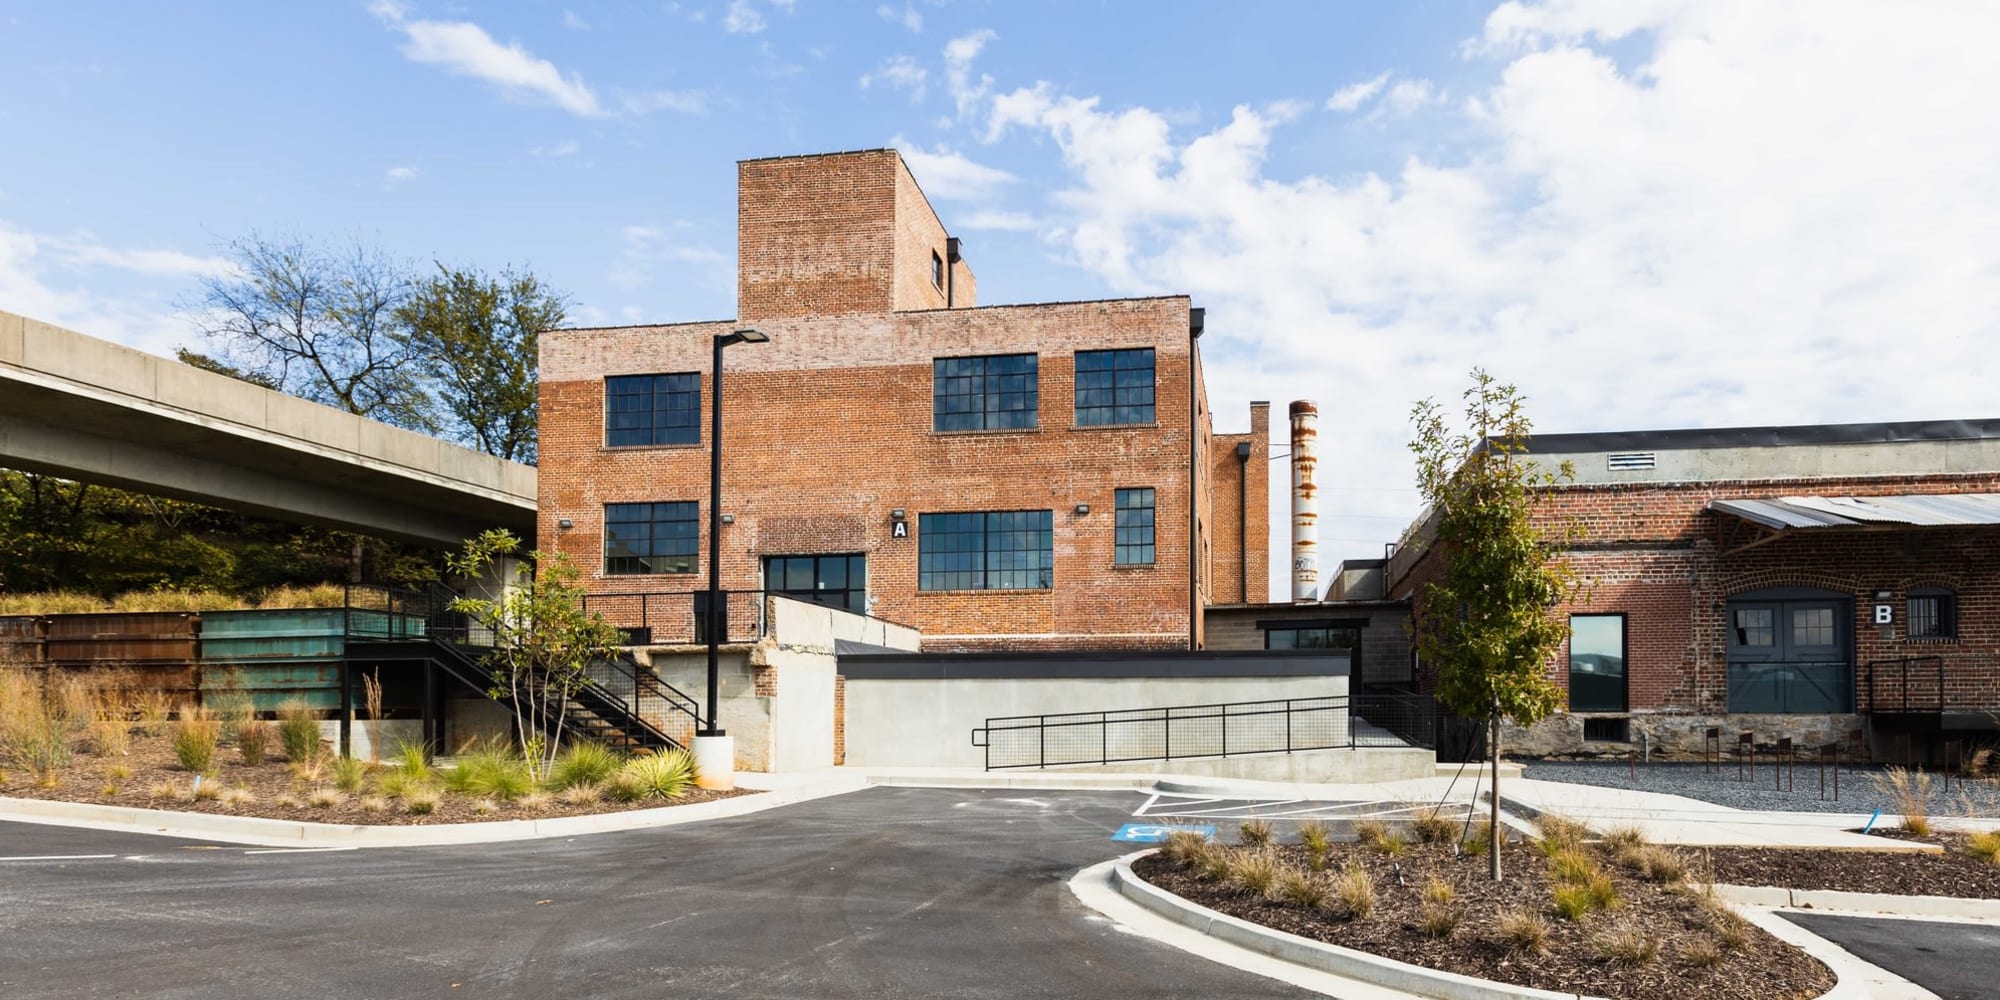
[318,324]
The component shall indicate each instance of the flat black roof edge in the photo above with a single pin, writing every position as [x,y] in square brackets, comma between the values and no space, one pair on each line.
[1095,656]
[1765,437]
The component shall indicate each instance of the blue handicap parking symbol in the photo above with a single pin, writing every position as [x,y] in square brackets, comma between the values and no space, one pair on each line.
[1155,833]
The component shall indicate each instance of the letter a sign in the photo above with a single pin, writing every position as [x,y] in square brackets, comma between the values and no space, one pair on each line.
[901,529]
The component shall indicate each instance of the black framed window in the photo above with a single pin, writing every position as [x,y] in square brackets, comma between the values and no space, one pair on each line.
[1012,550]
[1114,387]
[937,269]
[1134,527]
[651,538]
[1597,663]
[839,581]
[1932,613]
[641,410]
[1791,650]
[996,392]
[1312,637]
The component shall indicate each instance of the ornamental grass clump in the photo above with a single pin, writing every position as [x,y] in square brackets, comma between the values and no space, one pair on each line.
[1909,794]
[1573,902]
[585,762]
[1297,888]
[581,795]
[298,730]
[1312,834]
[1627,947]
[195,735]
[666,775]
[1433,827]
[1440,914]
[1703,953]
[253,742]
[422,801]
[349,773]
[1182,847]
[490,770]
[1253,833]
[1522,930]
[1653,863]
[1984,845]
[1354,892]
[1559,833]
[1255,871]
[1370,831]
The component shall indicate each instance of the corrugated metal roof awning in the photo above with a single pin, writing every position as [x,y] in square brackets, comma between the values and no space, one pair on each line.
[1929,510]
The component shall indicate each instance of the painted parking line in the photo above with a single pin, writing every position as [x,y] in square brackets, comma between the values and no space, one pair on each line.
[1166,805]
[298,850]
[60,857]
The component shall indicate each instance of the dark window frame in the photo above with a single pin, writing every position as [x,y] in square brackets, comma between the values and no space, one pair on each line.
[851,597]
[1109,391]
[678,549]
[1126,529]
[955,553]
[968,394]
[937,269]
[1787,677]
[1325,630]
[664,407]
[1624,662]
[1942,617]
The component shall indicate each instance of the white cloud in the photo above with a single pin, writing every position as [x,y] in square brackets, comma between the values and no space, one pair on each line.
[63,280]
[742,18]
[574,21]
[398,174]
[1408,96]
[959,53]
[901,73]
[465,49]
[1354,95]
[948,174]
[909,17]
[567,147]
[1737,228]
[643,249]
[993,219]
[691,102]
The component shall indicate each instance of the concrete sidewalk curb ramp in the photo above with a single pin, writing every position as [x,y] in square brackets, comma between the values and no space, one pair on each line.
[1873,903]
[1319,955]
[257,831]
[1854,979]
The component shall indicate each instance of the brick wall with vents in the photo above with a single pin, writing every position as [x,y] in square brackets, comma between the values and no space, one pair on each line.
[1654,553]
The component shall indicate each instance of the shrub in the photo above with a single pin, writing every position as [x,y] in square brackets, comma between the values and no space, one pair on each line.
[1354,891]
[1312,833]
[348,773]
[298,730]
[1909,793]
[1984,845]
[1253,832]
[195,734]
[666,775]
[1256,871]
[1434,827]
[1300,889]
[421,801]
[253,742]
[585,763]
[1627,947]
[1573,902]
[1522,930]
[490,769]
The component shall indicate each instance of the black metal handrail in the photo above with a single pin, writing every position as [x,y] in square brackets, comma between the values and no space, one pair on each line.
[1411,715]
[1171,733]
[1898,672]
[670,618]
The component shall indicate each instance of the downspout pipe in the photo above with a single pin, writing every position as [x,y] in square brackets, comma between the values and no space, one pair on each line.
[1243,520]
[1197,321]
[950,259]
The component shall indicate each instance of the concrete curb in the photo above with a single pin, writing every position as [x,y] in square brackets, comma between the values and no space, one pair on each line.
[1345,962]
[1830,900]
[258,831]
[1854,979]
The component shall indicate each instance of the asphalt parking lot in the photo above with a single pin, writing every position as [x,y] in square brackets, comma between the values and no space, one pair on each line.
[1953,960]
[879,894]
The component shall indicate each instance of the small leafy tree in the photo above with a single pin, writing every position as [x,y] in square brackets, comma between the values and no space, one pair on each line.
[543,639]
[1487,620]
[476,337]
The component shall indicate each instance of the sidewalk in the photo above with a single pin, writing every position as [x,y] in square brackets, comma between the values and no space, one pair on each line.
[1675,819]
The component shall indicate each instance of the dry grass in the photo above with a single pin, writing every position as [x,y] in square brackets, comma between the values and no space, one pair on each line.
[195,734]
[40,723]
[253,741]
[485,807]
[374,803]
[583,794]
[325,798]
[1522,930]
[349,773]
[1909,794]
[1312,833]
[1627,947]
[536,801]
[152,709]
[1255,870]
[1183,846]
[1354,892]
[59,602]
[1622,837]
[1433,827]
[163,790]
[1298,888]
[234,797]
[298,730]
[1370,831]
[1984,845]
[422,801]
[178,600]
[1653,863]
[1253,833]
[323,595]
[1703,953]
[1560,833]
[118,772]
[1440,914]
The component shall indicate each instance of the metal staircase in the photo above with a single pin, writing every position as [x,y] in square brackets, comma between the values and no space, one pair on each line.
[621,703]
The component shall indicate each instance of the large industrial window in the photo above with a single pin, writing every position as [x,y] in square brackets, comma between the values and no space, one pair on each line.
[1135,527]
[836,581]
[1791,651]
[642,410]
[991,551]
[650,538]
[1307,635]
[1933,613]
[999,392]
[1597,663]
[1114,387]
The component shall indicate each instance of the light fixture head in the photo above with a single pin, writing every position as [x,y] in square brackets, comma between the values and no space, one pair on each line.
[898,515]
[728,519]
[1083,508]
[1883,595]
[565,523]
[752,335]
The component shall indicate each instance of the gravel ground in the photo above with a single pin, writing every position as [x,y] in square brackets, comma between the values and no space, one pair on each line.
[1857,792]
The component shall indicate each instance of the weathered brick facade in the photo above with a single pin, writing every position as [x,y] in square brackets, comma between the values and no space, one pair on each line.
[1654,552]
[828,428]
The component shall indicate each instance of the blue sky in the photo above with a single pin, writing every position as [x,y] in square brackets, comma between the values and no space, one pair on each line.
[1647,213]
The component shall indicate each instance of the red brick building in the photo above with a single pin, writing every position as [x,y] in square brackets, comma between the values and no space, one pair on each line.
[1828,583]
[1013,476]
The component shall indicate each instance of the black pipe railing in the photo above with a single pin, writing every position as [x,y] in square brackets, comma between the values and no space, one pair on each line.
[1411,715]
[1172,733]
[1909,684]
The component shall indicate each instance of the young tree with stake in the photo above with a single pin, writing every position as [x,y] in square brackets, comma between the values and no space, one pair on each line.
[1487,622]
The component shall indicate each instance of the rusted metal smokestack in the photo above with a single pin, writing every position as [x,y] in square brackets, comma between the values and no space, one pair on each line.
[1305,501]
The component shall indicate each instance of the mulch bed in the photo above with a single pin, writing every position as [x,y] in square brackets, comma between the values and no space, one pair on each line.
[1764,969]
[151,762]
[1902,873]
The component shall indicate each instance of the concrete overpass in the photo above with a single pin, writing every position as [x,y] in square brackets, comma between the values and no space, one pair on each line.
[90,410]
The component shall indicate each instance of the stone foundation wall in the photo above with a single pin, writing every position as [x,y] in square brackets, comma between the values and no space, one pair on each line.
[1682,736]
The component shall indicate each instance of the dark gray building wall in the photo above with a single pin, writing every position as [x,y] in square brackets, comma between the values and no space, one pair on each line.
[1385,638]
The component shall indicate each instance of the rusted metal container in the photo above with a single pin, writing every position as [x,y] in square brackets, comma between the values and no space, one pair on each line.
[21,639]
[275,656]
[131,638]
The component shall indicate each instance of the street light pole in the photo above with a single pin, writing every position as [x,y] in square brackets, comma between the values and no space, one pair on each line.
[715,753]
